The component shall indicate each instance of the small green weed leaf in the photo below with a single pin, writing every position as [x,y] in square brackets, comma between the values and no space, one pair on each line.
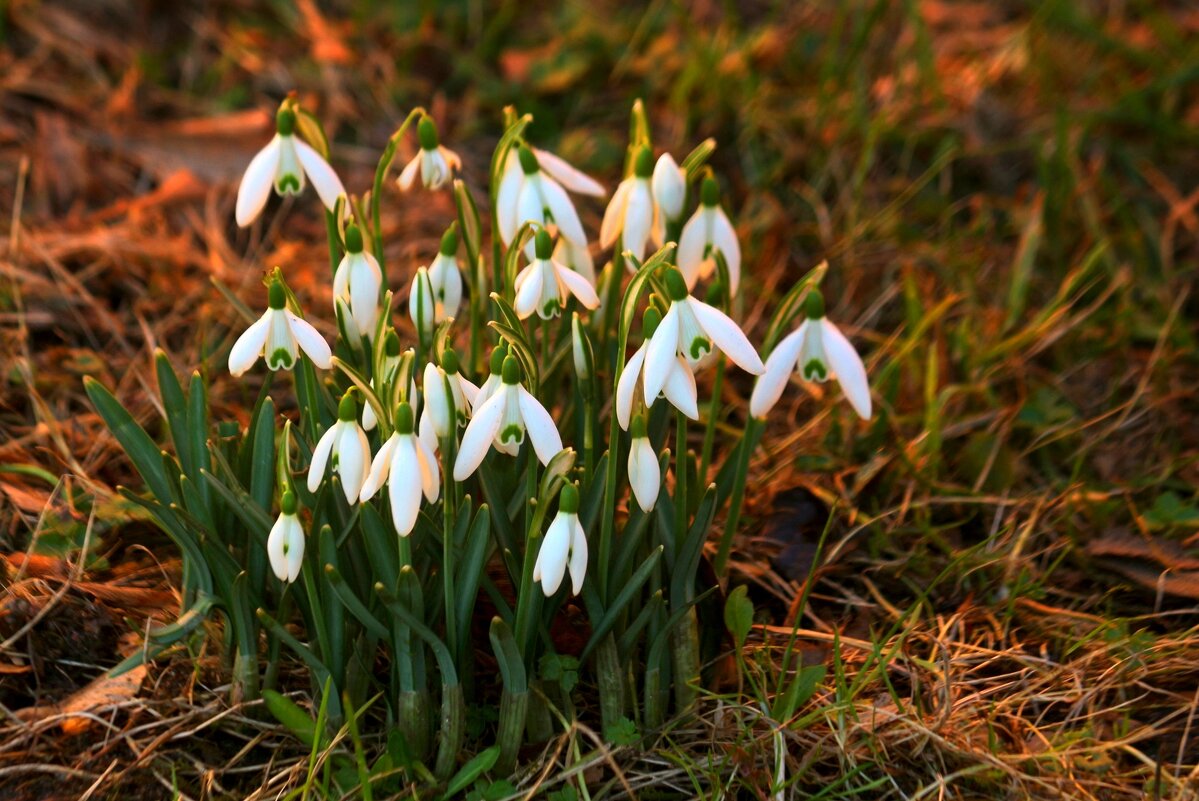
[471,771]
[291,715]
[739,615]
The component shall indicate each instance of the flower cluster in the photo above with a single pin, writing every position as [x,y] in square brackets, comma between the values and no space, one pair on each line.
[680,333]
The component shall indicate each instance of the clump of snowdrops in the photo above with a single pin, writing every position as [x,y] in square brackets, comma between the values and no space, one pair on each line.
[515,453]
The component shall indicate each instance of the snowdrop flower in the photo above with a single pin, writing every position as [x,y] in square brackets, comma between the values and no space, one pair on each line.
[279,335]
[669,186]
[678,388]
[496,366]
[356,285]
[445,277]
[564,546]
[529,194]
[435,419]
[819,351]
[434,161]
[285,543]
[283,164]
[383,378]
[346,442]
[630,215]
[503,421]
[645,476]
[693,328]
[544,285]
[708,231]
[409,468]
[421,306]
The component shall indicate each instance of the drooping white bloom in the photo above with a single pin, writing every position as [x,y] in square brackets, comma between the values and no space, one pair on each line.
[285,543]
[630,214]
[669,186]
[435,419]
[691,328]
[528,194]
[345,445]
[819,351]
[356,285]
[645,476]
[544,285]
[409,468]
[445,277]
[678,388]
[435,162]
[283,165]
[564,547]
[279,335]
[421,307]
[708,231]
[502,421]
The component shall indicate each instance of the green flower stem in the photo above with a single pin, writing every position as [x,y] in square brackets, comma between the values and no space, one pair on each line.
[753,430]
[447,538]
[380,173]
[680,479]
[527,602]
[713,416]
[334,241]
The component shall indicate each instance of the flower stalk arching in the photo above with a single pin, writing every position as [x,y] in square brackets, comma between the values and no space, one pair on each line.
[381,168]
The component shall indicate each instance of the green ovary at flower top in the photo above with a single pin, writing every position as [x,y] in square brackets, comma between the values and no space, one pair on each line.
[434,162]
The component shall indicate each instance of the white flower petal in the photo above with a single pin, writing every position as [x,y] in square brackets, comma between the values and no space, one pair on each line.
[692,242]
[409,173]
[578,286]
[369,421]
[563,210]
[848,367]
[680,390]
[539,425]
[770,385]
[726,335]
[404,487]
[528,290]
[380,469]
[310,341]
[578,557]
[669,184]
[320,456]
[550,566]
[626,387]
[614,215]
[644,476]
[295,548]
[256,183]
[570,177]
[324,180]
[507,198]
[575,256]
[430,475]
[276,543]
[638,218]
[660,355]
[353,460]
[724,239]
[249,345]
[365,281]
[480,432]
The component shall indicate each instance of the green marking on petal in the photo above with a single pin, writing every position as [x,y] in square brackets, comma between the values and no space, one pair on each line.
[815,370]
[552,308]
[513,433]
[699,347]
[287,184]
[280,360]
